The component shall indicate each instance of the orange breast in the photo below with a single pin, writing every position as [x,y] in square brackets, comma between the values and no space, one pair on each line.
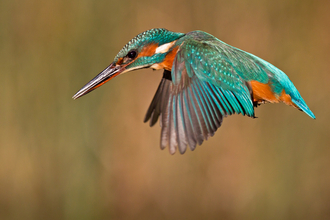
[168,61]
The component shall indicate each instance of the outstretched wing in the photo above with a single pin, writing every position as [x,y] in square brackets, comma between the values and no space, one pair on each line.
[203,88]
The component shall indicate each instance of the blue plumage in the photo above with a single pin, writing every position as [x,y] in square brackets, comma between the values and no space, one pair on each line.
[204,80]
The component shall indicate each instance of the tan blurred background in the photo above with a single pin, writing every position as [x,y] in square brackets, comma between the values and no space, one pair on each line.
[93,158]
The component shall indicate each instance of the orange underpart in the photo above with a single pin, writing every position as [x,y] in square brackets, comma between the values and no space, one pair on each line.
[287,99]
[168,62]
[262,92]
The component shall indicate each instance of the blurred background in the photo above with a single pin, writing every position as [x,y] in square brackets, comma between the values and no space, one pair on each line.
[94,158]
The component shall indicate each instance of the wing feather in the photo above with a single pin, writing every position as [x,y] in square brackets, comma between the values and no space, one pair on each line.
[181,126]
[166,114]
[205,106]
[216,115]
[172,126]
[201,91]
[192,136]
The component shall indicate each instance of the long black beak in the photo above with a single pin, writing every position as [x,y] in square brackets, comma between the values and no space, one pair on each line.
[103,77]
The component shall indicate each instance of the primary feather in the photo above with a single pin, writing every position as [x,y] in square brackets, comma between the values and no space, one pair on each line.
[210,80]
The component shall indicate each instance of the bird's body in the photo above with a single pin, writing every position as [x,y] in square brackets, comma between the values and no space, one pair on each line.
[204,80]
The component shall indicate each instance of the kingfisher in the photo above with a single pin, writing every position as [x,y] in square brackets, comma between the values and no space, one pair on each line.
[204,80]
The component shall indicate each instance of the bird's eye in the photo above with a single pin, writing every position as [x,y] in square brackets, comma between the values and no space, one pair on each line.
[131,54]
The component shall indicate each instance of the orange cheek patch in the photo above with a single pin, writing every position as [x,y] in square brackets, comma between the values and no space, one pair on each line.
[148,50]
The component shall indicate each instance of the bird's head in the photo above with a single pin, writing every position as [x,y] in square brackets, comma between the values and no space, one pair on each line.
[155,48]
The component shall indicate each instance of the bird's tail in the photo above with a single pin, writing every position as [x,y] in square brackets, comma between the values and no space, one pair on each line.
[279,88]
[303,107]
[292,93]
[265,92]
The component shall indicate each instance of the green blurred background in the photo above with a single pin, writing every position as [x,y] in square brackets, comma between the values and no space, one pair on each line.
[93,158]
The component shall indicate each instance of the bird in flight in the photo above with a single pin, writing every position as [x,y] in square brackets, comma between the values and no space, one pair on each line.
[204,80]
